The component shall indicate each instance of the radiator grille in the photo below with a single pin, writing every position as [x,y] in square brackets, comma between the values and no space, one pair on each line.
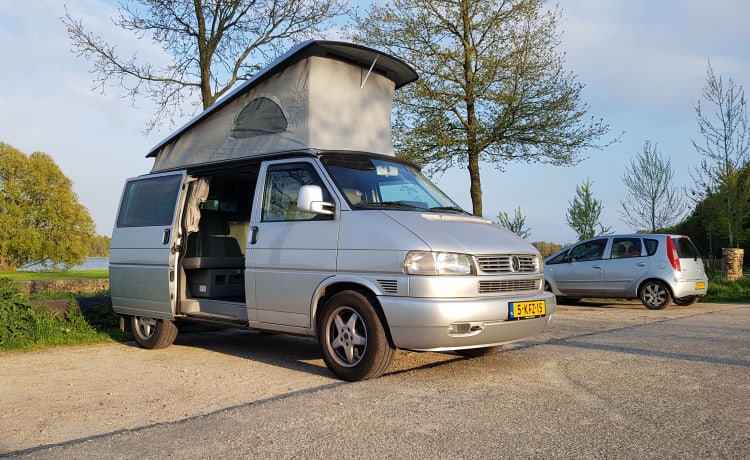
[495,286]
[508,263]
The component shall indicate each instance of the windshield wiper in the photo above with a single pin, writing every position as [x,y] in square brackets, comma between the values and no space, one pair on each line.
[455,209]
[392,204]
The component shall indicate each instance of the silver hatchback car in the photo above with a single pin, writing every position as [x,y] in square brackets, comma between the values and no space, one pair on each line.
[655,268]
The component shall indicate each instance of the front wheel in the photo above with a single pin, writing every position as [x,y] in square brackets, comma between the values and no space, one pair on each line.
[153,333]
[655,295]
[352,338]
[685,301]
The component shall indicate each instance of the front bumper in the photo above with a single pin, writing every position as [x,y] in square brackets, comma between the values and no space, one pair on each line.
[424,324]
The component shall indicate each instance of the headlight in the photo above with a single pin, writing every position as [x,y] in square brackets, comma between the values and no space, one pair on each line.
[437,263]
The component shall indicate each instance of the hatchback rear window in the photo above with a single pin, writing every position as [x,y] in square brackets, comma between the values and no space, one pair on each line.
[685,248]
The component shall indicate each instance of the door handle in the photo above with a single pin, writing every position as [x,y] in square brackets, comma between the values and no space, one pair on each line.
[254,235]
[641,264]
[596,266]
[165,237]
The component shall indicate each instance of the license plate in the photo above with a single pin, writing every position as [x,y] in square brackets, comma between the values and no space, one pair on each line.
[700,285]
[533,309]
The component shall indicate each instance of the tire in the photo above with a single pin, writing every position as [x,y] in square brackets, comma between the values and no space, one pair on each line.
[152,333]
[654,295]
[352,338]
[478,352]
[685,301]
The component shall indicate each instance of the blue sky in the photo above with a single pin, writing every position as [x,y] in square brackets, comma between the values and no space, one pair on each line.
[643,64]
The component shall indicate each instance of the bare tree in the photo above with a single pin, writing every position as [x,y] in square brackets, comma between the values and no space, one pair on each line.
[213,45]
[515,224]
[725,147]
[653,202]
[492,86]
[584,211]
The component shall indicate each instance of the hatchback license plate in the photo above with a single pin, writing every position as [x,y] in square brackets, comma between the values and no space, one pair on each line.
[700,285]
[533,309]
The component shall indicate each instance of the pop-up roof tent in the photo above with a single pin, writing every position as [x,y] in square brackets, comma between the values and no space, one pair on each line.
[321,95]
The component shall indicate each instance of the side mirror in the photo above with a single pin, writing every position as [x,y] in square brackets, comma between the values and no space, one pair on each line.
[310,199]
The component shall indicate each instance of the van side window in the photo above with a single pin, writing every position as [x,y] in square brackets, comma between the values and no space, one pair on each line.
[282,188]
[149,202]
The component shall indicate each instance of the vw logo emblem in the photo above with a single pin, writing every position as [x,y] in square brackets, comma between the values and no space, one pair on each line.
[515,264]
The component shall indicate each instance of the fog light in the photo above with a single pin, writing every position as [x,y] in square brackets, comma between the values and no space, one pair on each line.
[459,328]
[465,328]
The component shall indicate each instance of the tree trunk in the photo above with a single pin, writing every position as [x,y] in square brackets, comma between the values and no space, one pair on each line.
[731,268]
[475,185]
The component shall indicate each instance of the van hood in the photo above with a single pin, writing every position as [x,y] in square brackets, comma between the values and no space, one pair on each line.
[461,233]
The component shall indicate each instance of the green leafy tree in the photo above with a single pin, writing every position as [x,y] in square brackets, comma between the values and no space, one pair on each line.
[546,248]
[41,220]
[492,85]
[99,246]
[707,223]
[725,148]
[653,201]
[584,211]
[515,224]
[211,45]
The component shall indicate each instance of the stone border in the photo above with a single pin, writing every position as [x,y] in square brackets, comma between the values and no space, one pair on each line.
[69,286]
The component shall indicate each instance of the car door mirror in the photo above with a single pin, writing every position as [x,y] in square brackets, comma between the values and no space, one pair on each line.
[310,199]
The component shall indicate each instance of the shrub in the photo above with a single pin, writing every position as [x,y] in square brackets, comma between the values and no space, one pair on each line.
[25,326]
[15,314]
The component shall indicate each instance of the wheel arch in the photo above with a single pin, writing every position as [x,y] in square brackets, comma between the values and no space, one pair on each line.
[327,291]
[653,278]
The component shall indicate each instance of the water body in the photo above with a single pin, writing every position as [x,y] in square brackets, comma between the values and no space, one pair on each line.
[91,263]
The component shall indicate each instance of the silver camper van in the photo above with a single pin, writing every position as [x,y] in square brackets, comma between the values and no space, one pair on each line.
[283,208]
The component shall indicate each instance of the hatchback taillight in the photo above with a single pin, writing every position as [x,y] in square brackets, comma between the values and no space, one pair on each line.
[674,258]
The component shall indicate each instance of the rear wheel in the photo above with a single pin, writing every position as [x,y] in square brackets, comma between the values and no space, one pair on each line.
[655,295]
[153,333]
[352,338]
[685,301]
[477,352]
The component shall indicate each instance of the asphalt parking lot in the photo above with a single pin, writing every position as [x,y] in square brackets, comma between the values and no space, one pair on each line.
[606,380]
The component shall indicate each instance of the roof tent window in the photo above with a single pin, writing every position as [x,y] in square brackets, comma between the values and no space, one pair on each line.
[260,116]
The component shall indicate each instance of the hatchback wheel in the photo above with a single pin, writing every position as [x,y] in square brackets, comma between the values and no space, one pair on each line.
[655,295]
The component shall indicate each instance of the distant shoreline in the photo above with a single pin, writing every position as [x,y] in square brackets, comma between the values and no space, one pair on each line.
[90,263]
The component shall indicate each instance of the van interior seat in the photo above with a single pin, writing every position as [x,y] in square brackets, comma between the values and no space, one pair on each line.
[212,246]
[353,195]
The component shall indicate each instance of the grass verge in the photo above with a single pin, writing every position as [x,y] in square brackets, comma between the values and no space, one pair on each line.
[61,275]
[24,326]
[723,291]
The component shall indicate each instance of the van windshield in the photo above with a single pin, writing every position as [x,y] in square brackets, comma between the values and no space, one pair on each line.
[376,183]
